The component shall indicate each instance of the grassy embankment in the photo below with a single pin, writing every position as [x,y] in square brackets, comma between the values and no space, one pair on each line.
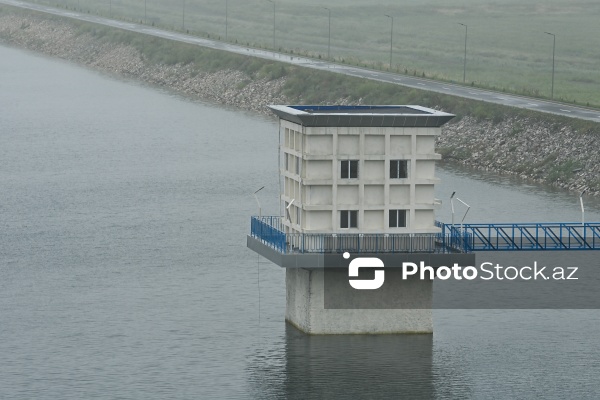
[304,85]
[507,48]
[311,86]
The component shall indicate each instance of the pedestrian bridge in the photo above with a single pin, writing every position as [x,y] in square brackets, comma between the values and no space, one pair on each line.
[467,238]
[522,236]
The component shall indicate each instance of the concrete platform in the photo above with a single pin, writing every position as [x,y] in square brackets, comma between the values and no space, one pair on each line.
[321,301]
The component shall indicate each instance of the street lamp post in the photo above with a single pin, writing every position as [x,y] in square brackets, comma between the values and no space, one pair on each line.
[110,8]
[226,17]
[553,52]
[465,59]
[452,206]
[183,16]
[258,202]
[466,212]
[391,38]
[271,1]
[329,41]
[582,209]
[145,13]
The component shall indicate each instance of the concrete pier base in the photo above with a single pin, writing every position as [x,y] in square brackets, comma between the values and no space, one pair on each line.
[321,301]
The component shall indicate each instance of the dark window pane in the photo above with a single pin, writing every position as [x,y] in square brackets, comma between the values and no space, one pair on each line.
[343,219]
[398,169]
[345,173]
[393,218]
[401,218]
[402,169]
[353,219]
[353,169]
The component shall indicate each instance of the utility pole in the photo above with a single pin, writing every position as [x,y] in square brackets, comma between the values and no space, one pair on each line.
[465,62]
[391,38]
[553,53]
[329,41]
[271,1]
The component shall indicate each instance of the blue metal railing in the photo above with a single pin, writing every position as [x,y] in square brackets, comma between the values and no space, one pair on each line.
[269,230]
[451,239]
[525,236]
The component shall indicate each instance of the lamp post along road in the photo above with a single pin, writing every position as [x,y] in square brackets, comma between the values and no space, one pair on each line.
[329,41]
[226,17]
[271,1]
[553,53]
[183,16]
[391,38]
[145,13]
[465,58]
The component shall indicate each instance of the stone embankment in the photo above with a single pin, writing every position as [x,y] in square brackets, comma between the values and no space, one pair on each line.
[60,39]
[532,148]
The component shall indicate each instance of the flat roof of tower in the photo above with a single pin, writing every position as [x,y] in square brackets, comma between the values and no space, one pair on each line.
[362,116]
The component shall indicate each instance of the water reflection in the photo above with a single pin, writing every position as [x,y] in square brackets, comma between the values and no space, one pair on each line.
[346,367]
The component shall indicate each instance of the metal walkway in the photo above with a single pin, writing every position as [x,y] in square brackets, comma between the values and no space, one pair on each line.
[467,238]
[522,236]
[270,231]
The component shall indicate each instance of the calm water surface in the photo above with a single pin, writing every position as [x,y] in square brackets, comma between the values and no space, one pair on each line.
[123,215]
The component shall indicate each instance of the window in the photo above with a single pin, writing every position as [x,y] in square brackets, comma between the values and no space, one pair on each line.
[349,169]
[397,218]
[398,169]
[348,219]
[298,165]
[286,161]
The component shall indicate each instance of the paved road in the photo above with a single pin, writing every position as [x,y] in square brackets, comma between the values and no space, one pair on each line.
[403,80]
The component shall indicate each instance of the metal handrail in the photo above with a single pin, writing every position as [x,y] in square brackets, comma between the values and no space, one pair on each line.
[527,236]
[269,230]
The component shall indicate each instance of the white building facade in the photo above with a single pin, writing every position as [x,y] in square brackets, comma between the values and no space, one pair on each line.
[358,169]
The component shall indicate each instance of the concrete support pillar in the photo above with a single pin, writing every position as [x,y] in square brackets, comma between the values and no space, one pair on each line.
[323,302]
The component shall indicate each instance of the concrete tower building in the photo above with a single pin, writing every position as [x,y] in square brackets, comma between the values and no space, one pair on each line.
[357,180]
[367,169]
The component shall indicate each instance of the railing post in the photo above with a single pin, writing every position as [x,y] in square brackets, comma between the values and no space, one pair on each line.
[444,236]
